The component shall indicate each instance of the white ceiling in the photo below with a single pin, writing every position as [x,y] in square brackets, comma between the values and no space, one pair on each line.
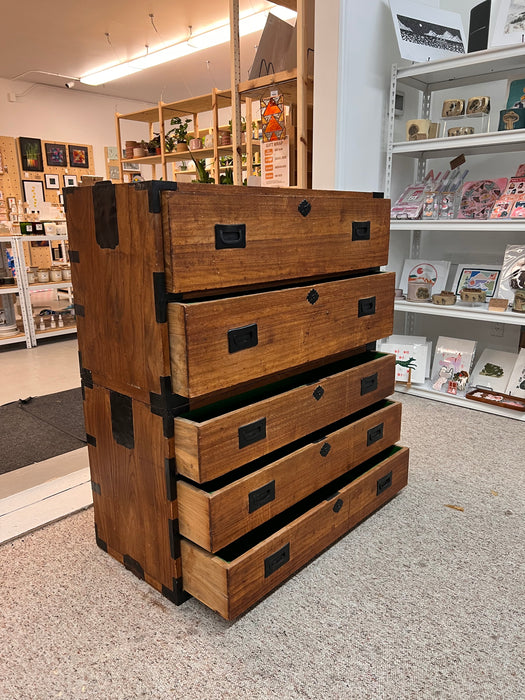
[67,37]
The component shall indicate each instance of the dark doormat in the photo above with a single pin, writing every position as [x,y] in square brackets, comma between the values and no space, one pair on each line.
[41,427]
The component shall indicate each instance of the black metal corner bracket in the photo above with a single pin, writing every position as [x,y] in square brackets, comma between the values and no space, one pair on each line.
[154,188]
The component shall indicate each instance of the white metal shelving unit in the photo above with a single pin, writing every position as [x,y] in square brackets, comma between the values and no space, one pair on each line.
[17,289]
[466,70]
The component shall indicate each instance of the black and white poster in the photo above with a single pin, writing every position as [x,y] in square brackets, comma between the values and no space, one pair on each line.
[426,33]
[509,25]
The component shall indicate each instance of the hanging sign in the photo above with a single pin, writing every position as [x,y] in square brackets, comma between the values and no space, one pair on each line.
[275,163]
[272,117]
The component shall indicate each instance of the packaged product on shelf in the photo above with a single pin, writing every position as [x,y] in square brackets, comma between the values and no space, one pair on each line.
[516,383]
[512,275]
[479,196]
[453,360]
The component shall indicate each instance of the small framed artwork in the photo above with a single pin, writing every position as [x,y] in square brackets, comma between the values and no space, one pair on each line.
[11,202]
[70,181]
[477,277]
[130,167]
[61,199]
[114,172]
[52,182]
[56,155]
[78,157]
[31,154]
[112,153]
[33,193]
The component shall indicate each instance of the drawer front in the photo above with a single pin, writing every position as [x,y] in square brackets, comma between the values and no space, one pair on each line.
[232,582]
[249,236]
[229,342]
[207,449]
[214,519]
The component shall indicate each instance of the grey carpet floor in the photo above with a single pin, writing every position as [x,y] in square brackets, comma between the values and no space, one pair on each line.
[41,427]
[421,601]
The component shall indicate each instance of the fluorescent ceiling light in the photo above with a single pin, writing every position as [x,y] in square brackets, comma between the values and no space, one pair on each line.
[205,40]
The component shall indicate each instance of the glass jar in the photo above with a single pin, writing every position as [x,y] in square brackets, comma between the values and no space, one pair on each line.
[42,275]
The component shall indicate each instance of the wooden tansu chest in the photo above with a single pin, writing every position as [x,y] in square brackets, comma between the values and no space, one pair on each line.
[237,412]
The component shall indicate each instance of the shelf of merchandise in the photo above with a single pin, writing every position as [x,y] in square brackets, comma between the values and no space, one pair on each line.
[426,391]
[503,63]
[462,310]
[492,225]
[25,334]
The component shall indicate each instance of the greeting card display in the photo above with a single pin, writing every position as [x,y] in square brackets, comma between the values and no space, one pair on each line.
[516,383]
[452,364]
[433,272]
[477,278]
[412,355]
[493,370]
[478,198]
[512,275]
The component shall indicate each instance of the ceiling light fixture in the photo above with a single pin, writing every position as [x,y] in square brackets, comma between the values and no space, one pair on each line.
[198,42]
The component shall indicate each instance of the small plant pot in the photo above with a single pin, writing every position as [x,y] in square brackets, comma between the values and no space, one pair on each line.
[139,152]
[419,291]
[195,144]
[182,146]
[225,138]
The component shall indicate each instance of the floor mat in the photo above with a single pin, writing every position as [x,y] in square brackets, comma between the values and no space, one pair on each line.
[41,427]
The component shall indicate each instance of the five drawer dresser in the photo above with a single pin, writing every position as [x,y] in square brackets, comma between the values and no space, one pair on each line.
[236,410]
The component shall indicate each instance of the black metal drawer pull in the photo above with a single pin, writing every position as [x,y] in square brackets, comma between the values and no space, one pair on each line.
[338,505]
[275,561]
[368,384]
[312,296]
[261,496]
[384,483]
[367,307]
[242,338]
[304,207]
[325,449]
[374,434]
[230,236]
[360,230]
[252,432]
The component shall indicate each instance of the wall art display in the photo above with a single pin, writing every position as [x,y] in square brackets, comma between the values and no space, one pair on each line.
[130,167]
[512,272]
[434,272]
[509,24]
[479,196]
[477,277]
[31,154]
[493,370]
[478,31]
[411,356]
[33,193]
[78,157]
[52,181]
[56,155]
[426,33]
[453,360]
[112,153]
[70,181]
[516,383]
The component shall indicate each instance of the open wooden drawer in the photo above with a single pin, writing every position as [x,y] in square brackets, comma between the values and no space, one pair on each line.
[235,578]
[215,514]
[219,438]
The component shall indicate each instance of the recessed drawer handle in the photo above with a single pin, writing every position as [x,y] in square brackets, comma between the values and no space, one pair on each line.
[360,230]
[275,561]
[230,236]
[368,384]
[367,307]
[261,496]
[242,338]
[374,434]
[252,432]
[384,483]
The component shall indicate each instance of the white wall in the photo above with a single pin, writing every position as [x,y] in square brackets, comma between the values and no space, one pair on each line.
[60,114]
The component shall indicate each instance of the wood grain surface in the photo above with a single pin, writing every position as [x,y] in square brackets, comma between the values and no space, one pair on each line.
[215,518]
[231,587]
[280,243]
[209,448]
[291,331]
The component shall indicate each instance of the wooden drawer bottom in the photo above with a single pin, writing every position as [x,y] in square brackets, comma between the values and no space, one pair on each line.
[235,578]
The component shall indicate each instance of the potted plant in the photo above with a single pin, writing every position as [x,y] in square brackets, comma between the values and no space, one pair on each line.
[202,174]
[180,132]
[154,145]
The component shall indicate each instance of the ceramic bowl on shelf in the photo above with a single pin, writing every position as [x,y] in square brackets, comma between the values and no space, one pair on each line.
[473,296]
[445,298]
[419,291]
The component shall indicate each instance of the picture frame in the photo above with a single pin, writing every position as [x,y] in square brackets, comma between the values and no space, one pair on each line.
[11,202]
[112,153]
[508,25]
[31,154]
[130,167]
[56,155]
[434,271]
[114,172]
[52,181]
[70,181]
[427,33]
[78,156]
[33,193]
[493,370]
[477,277]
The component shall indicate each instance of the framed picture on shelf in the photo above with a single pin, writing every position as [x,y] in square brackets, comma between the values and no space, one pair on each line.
[52,182]
[509,24]
[33,193]
[70,181]
[433,271]
[31,154]
[131,167]
[479,277]
[493,370]
[78,157]
[56,155]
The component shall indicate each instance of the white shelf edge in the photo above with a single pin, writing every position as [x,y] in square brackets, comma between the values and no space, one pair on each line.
[494,225]
[20,338]
[54,331]
[44,237]
[47,285]
[474,313]
[427,393]
[9,289]
[498,141]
